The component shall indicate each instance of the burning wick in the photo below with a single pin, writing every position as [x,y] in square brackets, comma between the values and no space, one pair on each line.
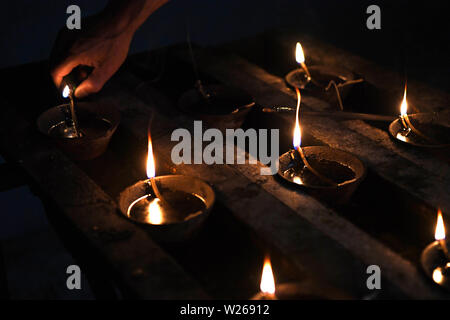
[407,125]
[68,93]
[439,234]
[300,58]
[404,114]
[151,171]
[154,211]
[151,183]
[297,143]
[267,285]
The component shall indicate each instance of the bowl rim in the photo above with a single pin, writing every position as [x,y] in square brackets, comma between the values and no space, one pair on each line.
[170,176]
[114,121]
[356,179]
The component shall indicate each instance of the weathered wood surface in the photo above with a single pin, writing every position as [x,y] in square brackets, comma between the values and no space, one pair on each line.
[142,267]
[319,242]
[300,226]
[420,173]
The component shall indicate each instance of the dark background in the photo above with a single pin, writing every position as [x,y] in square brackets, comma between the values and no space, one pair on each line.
[413,38]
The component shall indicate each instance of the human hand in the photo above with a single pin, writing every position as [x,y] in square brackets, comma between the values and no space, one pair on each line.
[98,45]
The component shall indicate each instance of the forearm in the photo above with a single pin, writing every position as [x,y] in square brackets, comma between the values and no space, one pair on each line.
[126,16]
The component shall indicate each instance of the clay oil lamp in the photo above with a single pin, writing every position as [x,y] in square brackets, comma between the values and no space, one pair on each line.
[326,172]
[435,258]
[171,207]
[427,130]
[328,83]
[81,129]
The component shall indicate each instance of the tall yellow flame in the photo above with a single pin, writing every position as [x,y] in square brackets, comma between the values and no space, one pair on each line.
[440,228]
[297,141]
[404,105]
[151,171]
[299,55]
[267,285]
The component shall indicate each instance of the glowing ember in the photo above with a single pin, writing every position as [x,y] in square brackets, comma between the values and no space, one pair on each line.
[66,91]
[400,136]
[267,285]
[437,275]
[151,171]
[297,130]
[298,180]
[155,215]
[404,105]
[299,55]
[440,229]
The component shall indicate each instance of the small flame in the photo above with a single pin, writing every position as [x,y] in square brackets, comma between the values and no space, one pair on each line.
[440,229]
[66,91]
[298,180]
[299,55]
[155,212]
[151,171]
[267,285]
[437,275]
[297,130]
[404,105]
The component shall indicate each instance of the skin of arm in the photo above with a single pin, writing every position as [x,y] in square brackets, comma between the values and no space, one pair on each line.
[102,42]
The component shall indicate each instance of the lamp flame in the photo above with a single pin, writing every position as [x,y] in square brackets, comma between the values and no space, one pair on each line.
[66,91]
[267,285]
[297,130]
[404,105]
[299,55]
[151,171]
[440,228]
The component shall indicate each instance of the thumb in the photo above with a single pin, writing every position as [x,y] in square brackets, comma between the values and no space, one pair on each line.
[61,70]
